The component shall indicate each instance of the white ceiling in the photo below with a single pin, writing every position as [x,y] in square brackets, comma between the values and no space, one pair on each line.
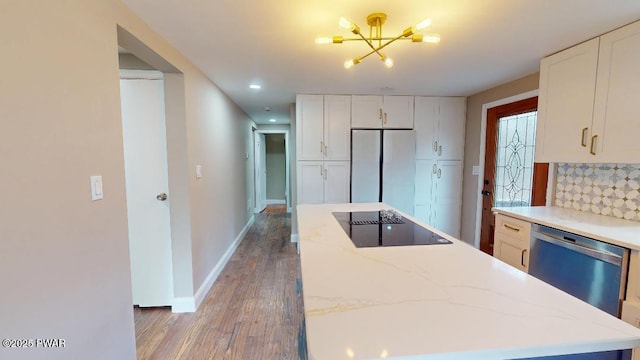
[271,42]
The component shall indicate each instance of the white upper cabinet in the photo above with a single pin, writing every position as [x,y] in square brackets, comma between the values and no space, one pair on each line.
[565,105]
[309,125]
[323,127]
[588,101]
[439,125]
[616,123]
[337,127]
[375,112]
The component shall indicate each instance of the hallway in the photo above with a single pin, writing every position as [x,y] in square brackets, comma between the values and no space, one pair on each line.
[253,311]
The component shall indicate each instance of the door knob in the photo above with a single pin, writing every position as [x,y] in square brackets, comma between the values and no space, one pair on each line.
[162,197]
[486,193]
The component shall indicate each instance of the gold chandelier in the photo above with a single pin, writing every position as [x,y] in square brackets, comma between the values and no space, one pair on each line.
[375,40]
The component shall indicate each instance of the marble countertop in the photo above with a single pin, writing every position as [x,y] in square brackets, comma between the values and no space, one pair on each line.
[616,231]
[434,302]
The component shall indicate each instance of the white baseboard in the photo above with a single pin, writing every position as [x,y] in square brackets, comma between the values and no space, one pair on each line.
[191,304]
[294,238]
[276,201]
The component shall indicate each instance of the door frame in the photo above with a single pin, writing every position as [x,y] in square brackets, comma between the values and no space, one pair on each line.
[481,157]
[287,172]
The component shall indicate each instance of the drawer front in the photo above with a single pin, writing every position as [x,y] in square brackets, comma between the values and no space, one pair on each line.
[514,228]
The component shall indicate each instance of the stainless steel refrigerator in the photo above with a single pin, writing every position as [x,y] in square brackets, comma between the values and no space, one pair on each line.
[383,167]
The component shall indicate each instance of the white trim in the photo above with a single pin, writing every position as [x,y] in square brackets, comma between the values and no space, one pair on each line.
[183,305]
[483,141]
[294,238]
[192,304]
[276,201]
[287,160]
[141,74]
[551,184]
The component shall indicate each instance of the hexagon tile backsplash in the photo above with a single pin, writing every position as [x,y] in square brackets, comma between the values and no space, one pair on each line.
[605,189]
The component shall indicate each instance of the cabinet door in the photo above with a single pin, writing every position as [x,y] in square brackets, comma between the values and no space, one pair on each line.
[310,182]
[366,111]
[425,171]
[616,121]
[336,182]
[565,105]
[337,127]
[451,121]
[448,197]
[510,252]
[425,125]
[309,124]
[398,112]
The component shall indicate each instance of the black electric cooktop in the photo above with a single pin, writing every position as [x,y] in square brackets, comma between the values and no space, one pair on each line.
[385,228]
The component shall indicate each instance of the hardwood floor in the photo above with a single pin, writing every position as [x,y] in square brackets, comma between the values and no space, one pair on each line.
[253,311]
[275,208]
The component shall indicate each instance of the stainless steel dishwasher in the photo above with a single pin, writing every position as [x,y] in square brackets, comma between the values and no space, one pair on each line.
[591,270]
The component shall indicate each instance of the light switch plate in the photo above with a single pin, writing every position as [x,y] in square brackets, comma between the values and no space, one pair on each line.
[198,171]
[475,170]
[96,188]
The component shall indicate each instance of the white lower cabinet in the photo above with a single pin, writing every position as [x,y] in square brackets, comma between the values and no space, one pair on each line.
[322,182]
[438,202]
[512,241]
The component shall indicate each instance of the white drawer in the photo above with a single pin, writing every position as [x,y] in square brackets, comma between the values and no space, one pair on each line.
[514,228]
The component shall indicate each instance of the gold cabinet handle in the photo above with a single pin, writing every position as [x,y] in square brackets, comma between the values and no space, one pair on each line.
[380,116]
[439,173]
[524,251]
[321,145]
[435,146]
[510,227]
[440,150]
[593,144]
[326,149]
[385,118]
[325,173]
[583,139]
[435,168]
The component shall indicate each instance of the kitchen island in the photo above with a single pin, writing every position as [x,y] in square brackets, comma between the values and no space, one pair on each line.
[440,301]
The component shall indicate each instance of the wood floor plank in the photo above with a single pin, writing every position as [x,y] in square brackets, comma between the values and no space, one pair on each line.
[253,311]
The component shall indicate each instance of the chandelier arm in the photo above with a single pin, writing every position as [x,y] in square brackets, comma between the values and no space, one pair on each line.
[372,47]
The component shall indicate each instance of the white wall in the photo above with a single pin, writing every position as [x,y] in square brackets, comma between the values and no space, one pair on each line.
[64,261]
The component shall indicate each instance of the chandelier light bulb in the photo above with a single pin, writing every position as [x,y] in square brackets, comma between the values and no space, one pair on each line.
[323,40]
[348,64]
[345,23]
[431,38]
[388,62]
[423,24]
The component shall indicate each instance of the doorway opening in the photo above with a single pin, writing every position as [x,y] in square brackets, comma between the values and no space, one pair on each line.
[271,170]
[510,177]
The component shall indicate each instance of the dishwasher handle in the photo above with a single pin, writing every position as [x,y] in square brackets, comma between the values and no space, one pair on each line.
[586,250]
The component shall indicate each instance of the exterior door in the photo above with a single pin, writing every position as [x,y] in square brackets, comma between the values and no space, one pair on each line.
[145,158]
[511,178]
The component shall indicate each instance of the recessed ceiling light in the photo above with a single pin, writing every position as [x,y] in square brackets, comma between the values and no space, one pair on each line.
[255,86]
[272,120]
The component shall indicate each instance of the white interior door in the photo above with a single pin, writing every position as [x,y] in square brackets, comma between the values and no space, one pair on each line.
[145,158]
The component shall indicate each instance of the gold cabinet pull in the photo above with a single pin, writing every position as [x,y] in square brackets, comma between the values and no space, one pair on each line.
[440,150]
[510,227]
[583,139]
[325,173]
[593,144]
[380,113]
[524,251]
[321,146]
[385,118]
[439,173]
